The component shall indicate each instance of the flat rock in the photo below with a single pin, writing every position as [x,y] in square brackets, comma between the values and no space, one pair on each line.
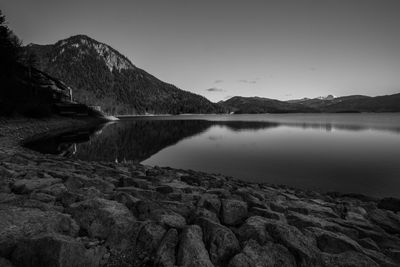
[267,255]
[265,212]
[302,221]
[55,190]
[26,186]
[347,259]
[311,209]
[79,181]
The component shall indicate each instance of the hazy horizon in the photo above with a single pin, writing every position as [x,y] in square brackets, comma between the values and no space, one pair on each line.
[219,49]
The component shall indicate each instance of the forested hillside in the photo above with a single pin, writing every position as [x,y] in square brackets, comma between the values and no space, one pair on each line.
[100,75]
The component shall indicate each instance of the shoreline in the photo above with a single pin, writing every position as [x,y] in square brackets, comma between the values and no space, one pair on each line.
[110,214]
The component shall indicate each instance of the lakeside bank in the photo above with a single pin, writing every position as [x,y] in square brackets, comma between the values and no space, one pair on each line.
[55,211]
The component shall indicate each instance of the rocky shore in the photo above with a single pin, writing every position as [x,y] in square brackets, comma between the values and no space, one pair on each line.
[56,211]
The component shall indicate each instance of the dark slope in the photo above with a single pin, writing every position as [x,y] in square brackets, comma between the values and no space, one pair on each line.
[32,93]
[100,75]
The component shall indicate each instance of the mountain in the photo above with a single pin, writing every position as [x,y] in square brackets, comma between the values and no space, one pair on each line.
[253,105]
[101,76]
[353,103]
[329,104]
[386,103]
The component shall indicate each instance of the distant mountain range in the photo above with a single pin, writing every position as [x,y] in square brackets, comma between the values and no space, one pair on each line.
[255,105]
[353,103]
[101,76]
[329,104]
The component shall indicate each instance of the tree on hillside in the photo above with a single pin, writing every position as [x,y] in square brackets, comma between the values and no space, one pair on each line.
[10,47]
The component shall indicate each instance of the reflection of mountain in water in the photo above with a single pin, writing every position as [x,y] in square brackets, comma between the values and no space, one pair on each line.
[137,140]
[64,144]
[134,140]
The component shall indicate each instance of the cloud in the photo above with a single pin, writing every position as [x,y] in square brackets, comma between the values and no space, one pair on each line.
[214,89]
[247,81]
[218,81]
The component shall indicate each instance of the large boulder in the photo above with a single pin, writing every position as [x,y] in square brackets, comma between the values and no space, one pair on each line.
[21,223]
[334,242]
[387,220]
[192,252]
[147,242]
[165,255]
[104,219]
[53,251]
[301,246]
[220,241]
[156,212]
[210,202]
[254,228]
[233,211]
[205,213]
[270,254]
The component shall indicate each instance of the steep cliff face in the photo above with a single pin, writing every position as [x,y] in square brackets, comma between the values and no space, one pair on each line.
[102,76]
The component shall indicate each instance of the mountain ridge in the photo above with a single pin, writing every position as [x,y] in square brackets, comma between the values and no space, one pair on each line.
[102,76]
[351,103]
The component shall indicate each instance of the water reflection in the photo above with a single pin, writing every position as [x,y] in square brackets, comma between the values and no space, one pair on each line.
[65,143]
[137,140]
[347,156]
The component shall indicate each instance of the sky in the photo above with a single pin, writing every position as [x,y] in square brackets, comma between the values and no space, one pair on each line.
[222,48]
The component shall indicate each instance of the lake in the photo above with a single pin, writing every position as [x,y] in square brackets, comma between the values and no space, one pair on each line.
[354,153]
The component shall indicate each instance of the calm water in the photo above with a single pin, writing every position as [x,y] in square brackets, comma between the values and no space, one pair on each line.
[358,153]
